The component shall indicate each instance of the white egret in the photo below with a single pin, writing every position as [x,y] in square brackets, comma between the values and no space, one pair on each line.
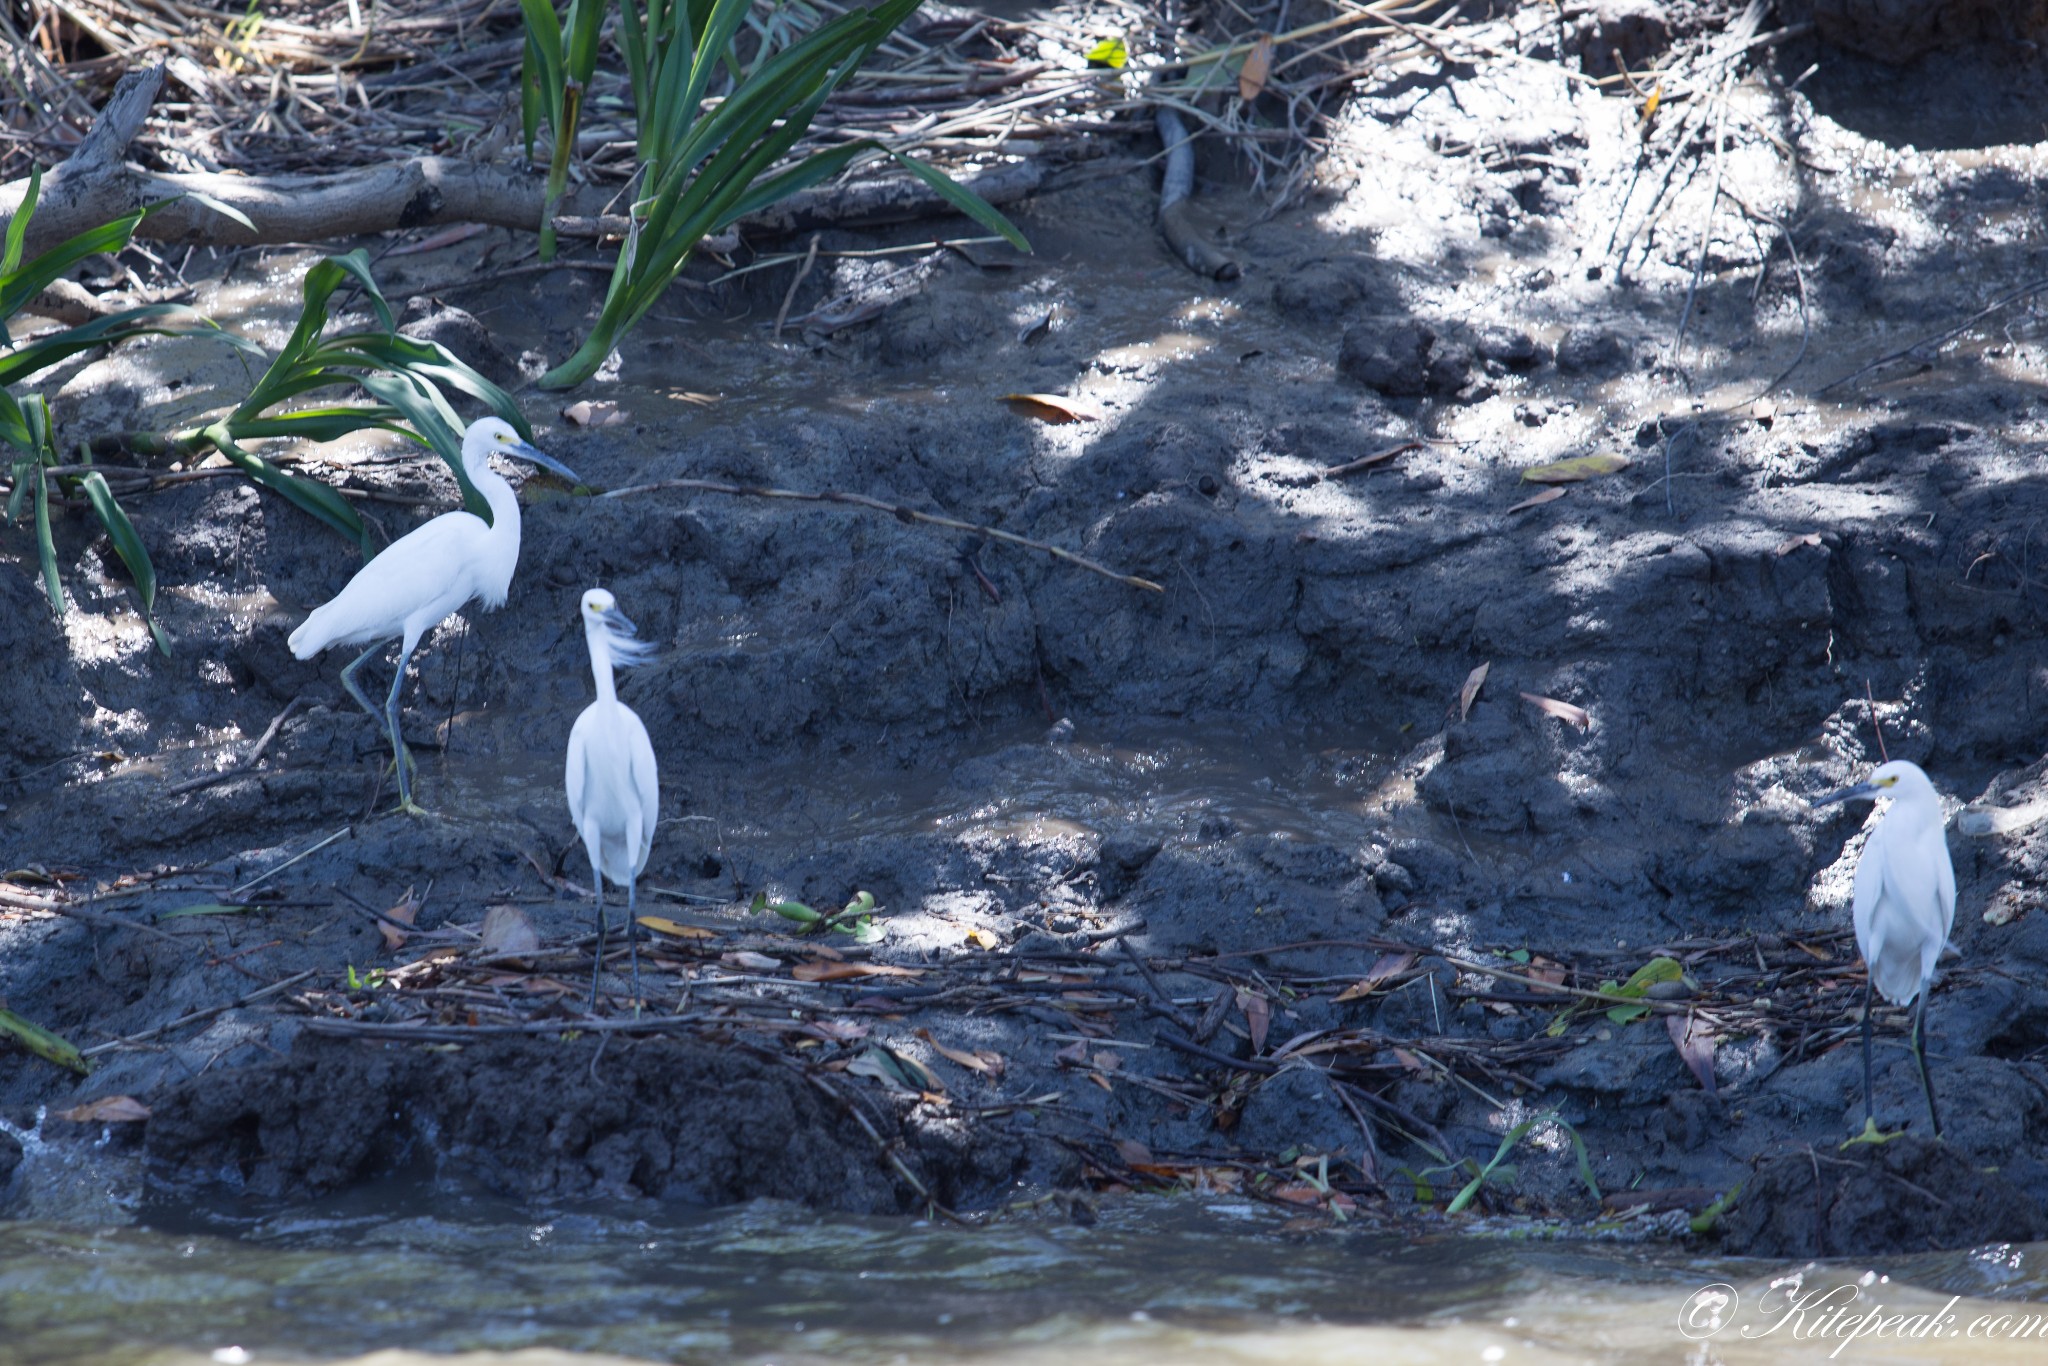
[425,576]
[614,794]
[1905,906]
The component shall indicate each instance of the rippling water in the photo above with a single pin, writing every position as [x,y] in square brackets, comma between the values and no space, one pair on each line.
[407,1270]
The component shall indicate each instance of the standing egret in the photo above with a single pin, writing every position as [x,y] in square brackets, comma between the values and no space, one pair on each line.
[614,795]
[426,575]
[1905,906]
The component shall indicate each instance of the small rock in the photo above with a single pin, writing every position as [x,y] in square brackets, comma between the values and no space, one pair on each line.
[1296,1109]
[429,320]
[1585,349]
[1510,346]
[1392,360]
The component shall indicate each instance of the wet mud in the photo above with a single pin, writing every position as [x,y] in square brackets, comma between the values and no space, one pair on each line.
[1222,807]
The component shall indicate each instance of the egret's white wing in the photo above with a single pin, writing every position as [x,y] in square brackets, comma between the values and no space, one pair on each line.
[427,563]
[646,784]
[573,777]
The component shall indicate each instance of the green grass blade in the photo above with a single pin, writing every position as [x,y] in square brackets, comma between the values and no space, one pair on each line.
[22,473]
[962,198]
[19,286]
[17,226]
[42,1042]
[128,545]
[46,544]
[161,320]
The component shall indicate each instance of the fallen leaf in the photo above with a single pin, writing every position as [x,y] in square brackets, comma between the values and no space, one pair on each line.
[980,1060]
[985,939]
[42,1042]
[1108,1060]
[1258,1016]
[405,912]
[1258,64]
[1695,1047]
[694,398]
[1650,104]
[1035,329]
[1546,970]
[1135,1154]
[107,1110]
[1110,52]
[584,413]
[1574,470]
[839,972]
[1102,1081]
[1413,1063]
[1822,954]
[1563,711]
[895,1070]
[1073,1055]
[1547,496]
[746,958]
[1469,694]
[675,930]
[1792,543]
[507,930]
[1052,408]
[1385,966]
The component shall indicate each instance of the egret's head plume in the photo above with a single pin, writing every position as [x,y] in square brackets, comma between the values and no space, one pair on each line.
[603,620]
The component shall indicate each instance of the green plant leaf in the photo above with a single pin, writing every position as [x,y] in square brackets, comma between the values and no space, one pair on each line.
[42,1042]
[18,286]
[17,226]
[963,199]
[128,545]
[159,320]
[1507,1145]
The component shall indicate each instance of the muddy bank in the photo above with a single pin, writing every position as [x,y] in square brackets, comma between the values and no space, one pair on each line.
[1221,877]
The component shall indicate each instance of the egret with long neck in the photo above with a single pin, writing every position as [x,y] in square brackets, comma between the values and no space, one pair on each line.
[1905,907]
[614,792]
[424,577]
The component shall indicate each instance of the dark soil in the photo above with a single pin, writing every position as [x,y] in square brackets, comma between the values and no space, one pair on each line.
[1262,777]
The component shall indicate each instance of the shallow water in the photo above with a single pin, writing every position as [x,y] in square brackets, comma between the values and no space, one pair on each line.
[1154,1279]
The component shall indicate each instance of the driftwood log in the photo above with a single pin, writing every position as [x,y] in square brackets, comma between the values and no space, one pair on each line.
[96,184]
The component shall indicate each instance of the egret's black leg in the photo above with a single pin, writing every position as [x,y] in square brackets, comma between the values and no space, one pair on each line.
[597,965]
[632,937]
[1869,1002]
[348,680]
[400,755]
[1920,1057]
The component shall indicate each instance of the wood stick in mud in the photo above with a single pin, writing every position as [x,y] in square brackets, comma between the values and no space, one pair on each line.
[900,513]
[96,184]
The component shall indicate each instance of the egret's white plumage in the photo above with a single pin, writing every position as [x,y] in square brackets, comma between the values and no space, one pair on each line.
[426,575]
[1905,901]
[614,792]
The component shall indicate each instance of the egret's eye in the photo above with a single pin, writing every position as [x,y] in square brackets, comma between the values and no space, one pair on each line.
[1887,782]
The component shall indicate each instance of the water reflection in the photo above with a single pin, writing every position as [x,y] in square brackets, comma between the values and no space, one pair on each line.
[1154,1280]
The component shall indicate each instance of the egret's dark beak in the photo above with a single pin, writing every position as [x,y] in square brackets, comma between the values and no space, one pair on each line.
[619,621]
[535,456]
[1850,794]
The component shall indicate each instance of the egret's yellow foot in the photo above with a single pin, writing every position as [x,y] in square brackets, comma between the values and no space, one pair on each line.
[1871,1134]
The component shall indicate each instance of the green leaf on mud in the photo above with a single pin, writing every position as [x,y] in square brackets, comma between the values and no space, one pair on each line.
[128,545]
[1110,52]
[42,1042]
[1576,469]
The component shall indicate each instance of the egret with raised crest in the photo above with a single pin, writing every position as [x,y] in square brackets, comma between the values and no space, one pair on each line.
[614,792]
[425,576]
[1905,906]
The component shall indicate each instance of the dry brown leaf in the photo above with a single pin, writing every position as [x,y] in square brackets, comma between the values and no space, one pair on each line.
[1469,694]
[980,1060]
[1792,543]
[507,930]
[584,413]
[1538,500]
[407,909]
[747,958]
[1819,953]
[1102,1081]
[1413,1063]
[1545,970]
[1386,966]
[1135,1154]
[1053,408]
[1108,1060]
[1258,64]
[840,972]
[107,1110]
[1563,711]
[1258,1016]
[676,930]
[1073,1055]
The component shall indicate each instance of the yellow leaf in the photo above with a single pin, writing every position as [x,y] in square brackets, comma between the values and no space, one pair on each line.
[675,930]
[1051,408]
[1258,64]
[1547,496]
[1469,694]
[1109,52]
[395,935]
[986,939]
[1650,105]
[1576,469]
[1563,711]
